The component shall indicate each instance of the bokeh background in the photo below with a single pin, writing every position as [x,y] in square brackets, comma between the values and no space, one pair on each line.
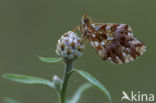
[31,28]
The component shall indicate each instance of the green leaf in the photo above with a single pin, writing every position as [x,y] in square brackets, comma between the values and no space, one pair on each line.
[93,81]
[50,60]
[10,100]
[27,79]
[79,92]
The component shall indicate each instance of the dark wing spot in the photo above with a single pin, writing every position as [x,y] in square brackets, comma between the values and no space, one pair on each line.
[113,28]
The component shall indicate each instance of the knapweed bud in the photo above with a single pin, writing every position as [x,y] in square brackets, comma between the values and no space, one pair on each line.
[70,46]
[57,82]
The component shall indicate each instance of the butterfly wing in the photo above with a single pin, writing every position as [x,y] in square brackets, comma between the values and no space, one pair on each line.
[116,43]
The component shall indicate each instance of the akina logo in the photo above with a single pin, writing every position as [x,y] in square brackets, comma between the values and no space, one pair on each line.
[137,97]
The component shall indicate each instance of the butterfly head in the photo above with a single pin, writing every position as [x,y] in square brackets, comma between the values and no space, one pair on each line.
[85,27]
[85,20]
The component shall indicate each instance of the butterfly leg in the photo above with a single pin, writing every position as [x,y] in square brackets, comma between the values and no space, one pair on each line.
[76,28]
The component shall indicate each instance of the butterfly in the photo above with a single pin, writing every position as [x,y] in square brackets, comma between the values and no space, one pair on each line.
[113,42]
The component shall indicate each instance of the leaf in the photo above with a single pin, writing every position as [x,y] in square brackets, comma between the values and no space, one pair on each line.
[50,60]
[93,81]
[10,100]
[27,79]
[79,92]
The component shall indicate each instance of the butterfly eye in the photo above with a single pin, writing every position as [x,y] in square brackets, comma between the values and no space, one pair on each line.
[86,20]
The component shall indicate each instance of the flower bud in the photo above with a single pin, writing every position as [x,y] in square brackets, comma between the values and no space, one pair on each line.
[70,46]
[57,82]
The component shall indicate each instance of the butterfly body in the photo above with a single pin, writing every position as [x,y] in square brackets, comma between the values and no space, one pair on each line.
[113,42]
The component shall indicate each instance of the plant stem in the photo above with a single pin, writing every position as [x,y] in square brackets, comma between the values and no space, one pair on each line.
[68,68]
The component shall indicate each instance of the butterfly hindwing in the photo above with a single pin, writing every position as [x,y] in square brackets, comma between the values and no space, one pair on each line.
[113,42]
[116,43]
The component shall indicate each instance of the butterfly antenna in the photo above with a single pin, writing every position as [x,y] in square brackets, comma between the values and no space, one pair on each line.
[85,15]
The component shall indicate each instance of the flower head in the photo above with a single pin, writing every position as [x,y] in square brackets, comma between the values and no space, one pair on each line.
[70,46]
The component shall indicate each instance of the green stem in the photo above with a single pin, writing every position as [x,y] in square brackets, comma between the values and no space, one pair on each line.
[68,68]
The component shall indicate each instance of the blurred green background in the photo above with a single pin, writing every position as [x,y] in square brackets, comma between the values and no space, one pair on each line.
[31,28]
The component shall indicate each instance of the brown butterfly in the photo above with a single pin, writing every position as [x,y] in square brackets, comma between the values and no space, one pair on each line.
[113,42]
